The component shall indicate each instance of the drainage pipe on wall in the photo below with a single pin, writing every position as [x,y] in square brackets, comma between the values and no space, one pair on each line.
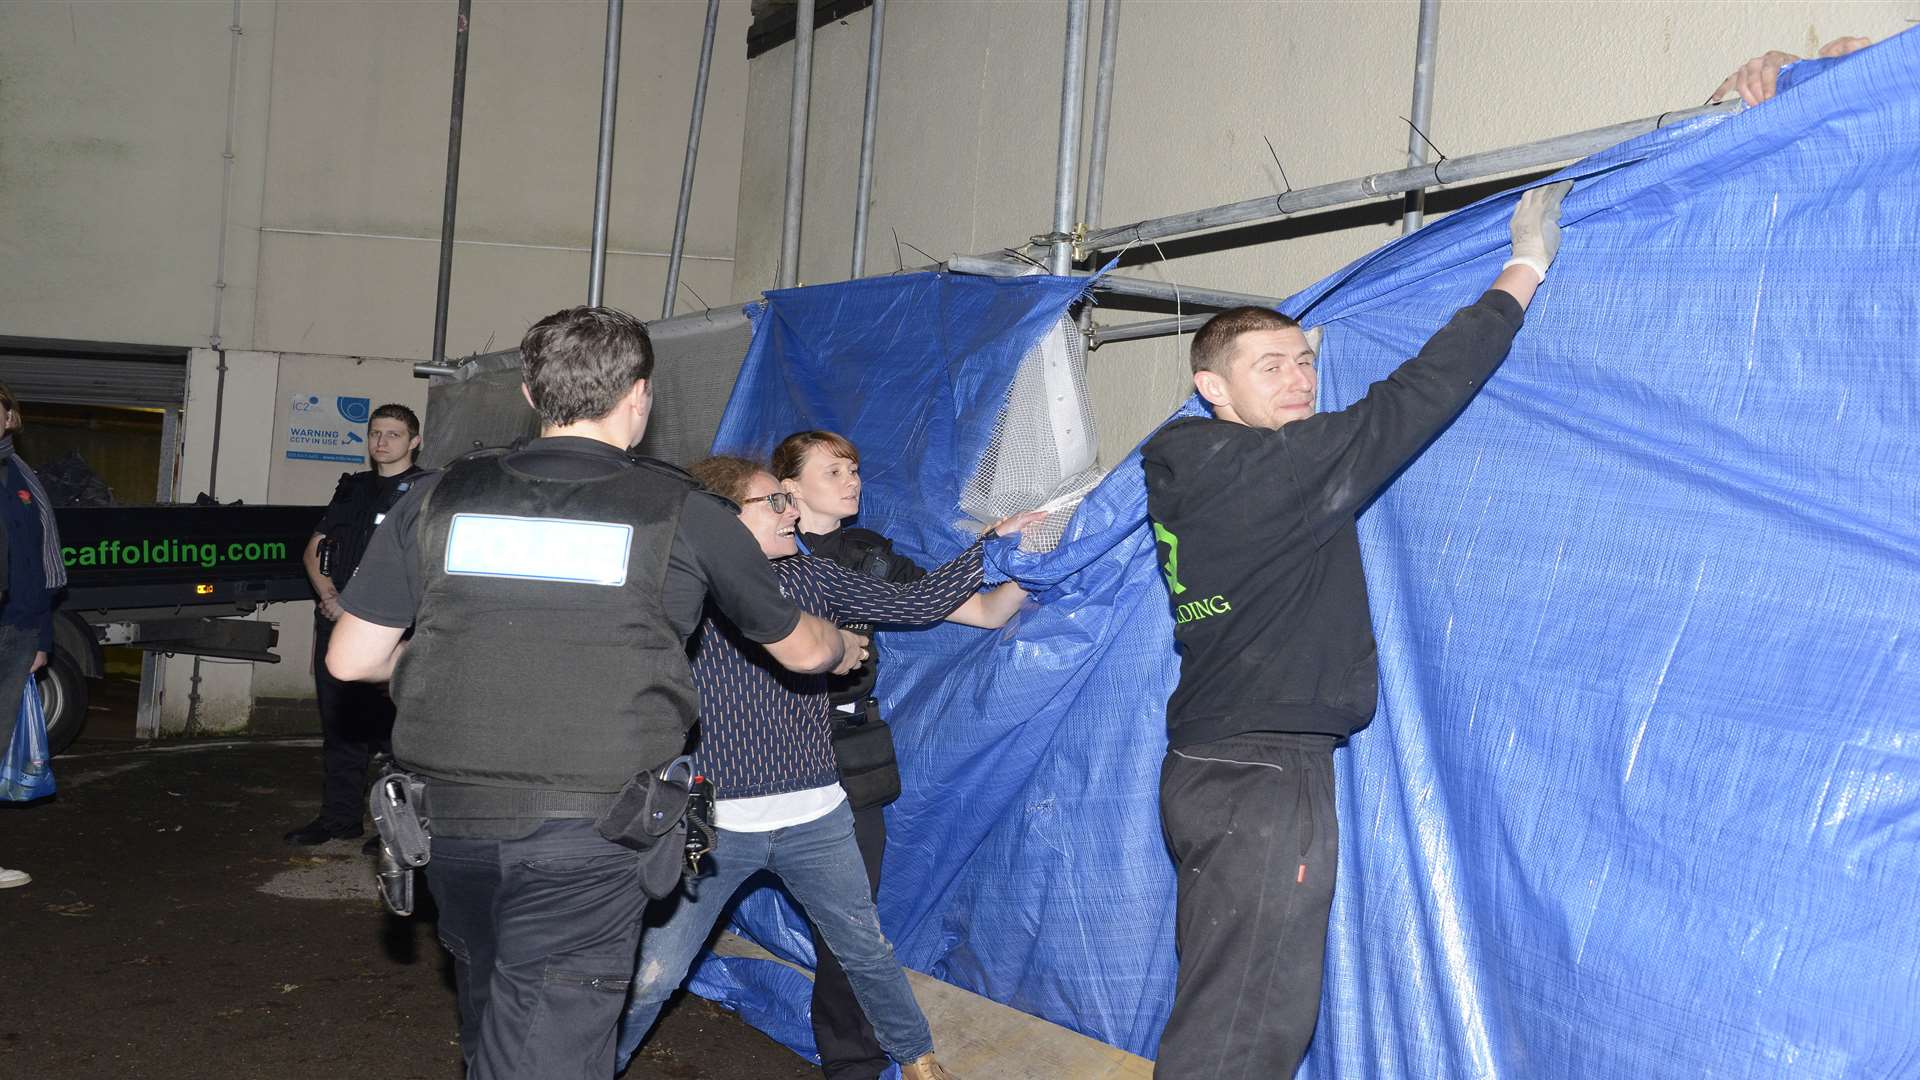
[789,272]
[693,154]
[1423,54]
[1067,154]
[864,187]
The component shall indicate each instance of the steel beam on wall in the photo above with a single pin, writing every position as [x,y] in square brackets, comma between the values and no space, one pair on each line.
[450,197]
[693,157]
[863,188]
[1066,187]
[789,272]
[1102,112]
[603,170]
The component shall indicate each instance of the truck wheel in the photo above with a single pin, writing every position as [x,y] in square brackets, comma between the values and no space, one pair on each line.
[64,693]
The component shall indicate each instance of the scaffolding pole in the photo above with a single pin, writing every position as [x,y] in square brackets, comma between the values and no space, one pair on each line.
[603,171]
[1067,155]
[1426,45]
[1116,285]
[1444,173]
[1148,328]
[864,187]
[789,273]
[693,156]
[451,196]
[1102,110]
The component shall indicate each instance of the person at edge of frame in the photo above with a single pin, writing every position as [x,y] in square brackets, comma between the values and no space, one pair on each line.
[32,577]
[551,588]
[356,719]
[1253,516]
[820,470]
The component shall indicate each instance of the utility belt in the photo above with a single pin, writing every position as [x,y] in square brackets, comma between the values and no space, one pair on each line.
[665,814]
[863,747]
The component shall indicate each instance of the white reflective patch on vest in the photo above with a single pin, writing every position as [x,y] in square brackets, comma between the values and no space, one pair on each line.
[539,549]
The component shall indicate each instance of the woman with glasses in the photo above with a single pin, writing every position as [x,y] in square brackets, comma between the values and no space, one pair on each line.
[821,470]
[765,744]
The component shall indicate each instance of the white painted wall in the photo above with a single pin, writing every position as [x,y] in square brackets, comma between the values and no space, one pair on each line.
[970,112]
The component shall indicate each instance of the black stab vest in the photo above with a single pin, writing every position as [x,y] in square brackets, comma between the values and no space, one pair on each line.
[544,684]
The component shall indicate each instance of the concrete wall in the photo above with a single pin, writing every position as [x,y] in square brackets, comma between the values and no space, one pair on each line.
[970,112]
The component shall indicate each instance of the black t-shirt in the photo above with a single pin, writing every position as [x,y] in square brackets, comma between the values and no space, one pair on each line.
[713,553]
[1257,543]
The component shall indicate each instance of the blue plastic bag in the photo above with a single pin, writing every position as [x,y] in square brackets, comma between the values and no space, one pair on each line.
[26,773]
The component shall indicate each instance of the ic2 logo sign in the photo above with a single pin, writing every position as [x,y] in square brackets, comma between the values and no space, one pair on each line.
[327,427]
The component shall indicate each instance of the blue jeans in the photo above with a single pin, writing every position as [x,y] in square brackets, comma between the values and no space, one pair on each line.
[542,930]
[820,864]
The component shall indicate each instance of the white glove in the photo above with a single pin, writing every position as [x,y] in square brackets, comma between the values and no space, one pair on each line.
[1536,227]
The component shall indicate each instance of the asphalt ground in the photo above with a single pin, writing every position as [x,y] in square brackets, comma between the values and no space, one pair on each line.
[169,933]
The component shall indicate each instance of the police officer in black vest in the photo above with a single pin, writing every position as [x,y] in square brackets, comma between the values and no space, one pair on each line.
[355,718]
[551,589]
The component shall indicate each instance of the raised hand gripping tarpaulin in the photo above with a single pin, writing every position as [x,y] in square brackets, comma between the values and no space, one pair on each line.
[1642,797]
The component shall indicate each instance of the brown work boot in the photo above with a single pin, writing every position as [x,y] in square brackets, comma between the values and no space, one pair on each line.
[925,1067]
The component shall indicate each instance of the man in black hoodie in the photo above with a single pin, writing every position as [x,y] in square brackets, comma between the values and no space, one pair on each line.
[1254,513]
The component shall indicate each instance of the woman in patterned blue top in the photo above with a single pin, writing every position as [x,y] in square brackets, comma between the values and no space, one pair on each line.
[765,742]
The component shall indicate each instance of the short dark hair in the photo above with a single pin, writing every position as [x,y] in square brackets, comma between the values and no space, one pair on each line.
[1213,344]
[578,363]
[393,410]
[791,454]
[14,419]
[726,475]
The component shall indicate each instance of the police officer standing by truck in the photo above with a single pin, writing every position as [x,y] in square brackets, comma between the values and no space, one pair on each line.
[355,718]
[551,589]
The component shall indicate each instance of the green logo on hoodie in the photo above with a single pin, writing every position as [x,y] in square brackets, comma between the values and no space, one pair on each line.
[1171,568]
[1192,610]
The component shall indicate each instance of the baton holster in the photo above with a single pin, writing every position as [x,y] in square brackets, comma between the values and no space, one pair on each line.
[406,840]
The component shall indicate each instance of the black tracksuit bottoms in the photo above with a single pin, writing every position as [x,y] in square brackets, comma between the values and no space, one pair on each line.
[1250,821]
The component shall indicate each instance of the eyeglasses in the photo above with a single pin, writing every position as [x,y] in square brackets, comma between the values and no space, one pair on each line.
[776,502]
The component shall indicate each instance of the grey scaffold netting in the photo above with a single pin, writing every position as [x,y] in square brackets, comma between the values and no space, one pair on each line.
[1642,797]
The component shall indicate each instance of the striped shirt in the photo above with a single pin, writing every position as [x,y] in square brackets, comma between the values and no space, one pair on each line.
[765,730]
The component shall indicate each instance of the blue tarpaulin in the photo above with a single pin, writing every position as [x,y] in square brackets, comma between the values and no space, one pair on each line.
[1642,797]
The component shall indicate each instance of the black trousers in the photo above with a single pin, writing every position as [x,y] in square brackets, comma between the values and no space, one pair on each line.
[848,1050]
[1250,821]
[543,931]
[356,721]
